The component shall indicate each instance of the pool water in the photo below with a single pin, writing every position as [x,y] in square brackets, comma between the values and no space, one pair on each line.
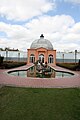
[32,72]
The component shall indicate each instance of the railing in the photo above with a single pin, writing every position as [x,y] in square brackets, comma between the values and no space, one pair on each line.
[25,60]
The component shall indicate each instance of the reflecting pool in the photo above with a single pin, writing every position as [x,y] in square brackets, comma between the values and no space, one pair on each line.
[32,72]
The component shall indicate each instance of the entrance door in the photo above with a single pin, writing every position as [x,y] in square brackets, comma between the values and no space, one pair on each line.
[41,58]
[50,59]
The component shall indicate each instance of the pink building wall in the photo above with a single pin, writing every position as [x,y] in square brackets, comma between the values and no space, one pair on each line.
[45,52]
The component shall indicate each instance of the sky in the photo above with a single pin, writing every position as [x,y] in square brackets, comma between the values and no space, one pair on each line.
[23,21]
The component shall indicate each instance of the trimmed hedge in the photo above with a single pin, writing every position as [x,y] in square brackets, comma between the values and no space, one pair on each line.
[12,64]
[71,66]
[1,59]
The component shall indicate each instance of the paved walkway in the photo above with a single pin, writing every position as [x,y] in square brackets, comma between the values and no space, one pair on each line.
[6,79]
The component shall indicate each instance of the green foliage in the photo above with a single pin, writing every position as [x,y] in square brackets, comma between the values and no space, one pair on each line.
[39,104]
[12,64]
[71,66]
[1,59]
[79,62]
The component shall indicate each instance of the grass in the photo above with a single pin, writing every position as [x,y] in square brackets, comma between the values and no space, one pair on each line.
[39,104]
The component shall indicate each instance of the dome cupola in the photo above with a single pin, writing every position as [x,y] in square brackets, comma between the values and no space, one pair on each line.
[41,43]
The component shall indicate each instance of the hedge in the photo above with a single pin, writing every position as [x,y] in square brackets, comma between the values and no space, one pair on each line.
[11,64]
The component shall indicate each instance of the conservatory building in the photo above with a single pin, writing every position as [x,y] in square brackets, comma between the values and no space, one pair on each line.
[41,49]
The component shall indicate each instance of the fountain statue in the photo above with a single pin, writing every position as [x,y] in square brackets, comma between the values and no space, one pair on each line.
[42,68]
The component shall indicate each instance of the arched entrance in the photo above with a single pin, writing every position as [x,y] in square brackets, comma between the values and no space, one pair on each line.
[41,58]
[50,59]
[32,58]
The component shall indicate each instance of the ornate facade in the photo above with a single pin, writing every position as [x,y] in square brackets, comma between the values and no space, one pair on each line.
[42,49]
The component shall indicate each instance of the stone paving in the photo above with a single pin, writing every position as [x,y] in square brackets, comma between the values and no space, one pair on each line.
[9,80]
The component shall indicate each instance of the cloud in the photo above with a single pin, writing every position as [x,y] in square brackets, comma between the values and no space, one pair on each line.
[50,25]
[61,30]
[73,1]
[76,28]
[24,9]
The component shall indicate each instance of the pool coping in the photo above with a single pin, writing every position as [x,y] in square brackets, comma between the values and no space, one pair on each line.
[53,67]
[17,81]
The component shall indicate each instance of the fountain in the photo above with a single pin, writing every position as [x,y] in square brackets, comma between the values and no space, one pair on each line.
[42,68]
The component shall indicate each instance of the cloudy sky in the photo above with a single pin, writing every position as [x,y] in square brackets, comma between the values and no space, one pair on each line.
[22,21]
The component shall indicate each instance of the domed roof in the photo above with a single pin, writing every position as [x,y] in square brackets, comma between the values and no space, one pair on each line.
[41,43]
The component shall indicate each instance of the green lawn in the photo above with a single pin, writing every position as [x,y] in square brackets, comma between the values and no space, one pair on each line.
[39,104]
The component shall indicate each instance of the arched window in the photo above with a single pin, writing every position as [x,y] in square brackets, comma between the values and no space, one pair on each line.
[50,59]
[32,58]
[41,58]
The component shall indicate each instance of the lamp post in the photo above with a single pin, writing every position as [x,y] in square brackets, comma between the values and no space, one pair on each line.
[63,57]
[75,56]
[18,56]
[6,54]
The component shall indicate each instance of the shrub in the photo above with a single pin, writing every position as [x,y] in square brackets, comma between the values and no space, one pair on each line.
[1,59]
[71,66]
[11,64]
